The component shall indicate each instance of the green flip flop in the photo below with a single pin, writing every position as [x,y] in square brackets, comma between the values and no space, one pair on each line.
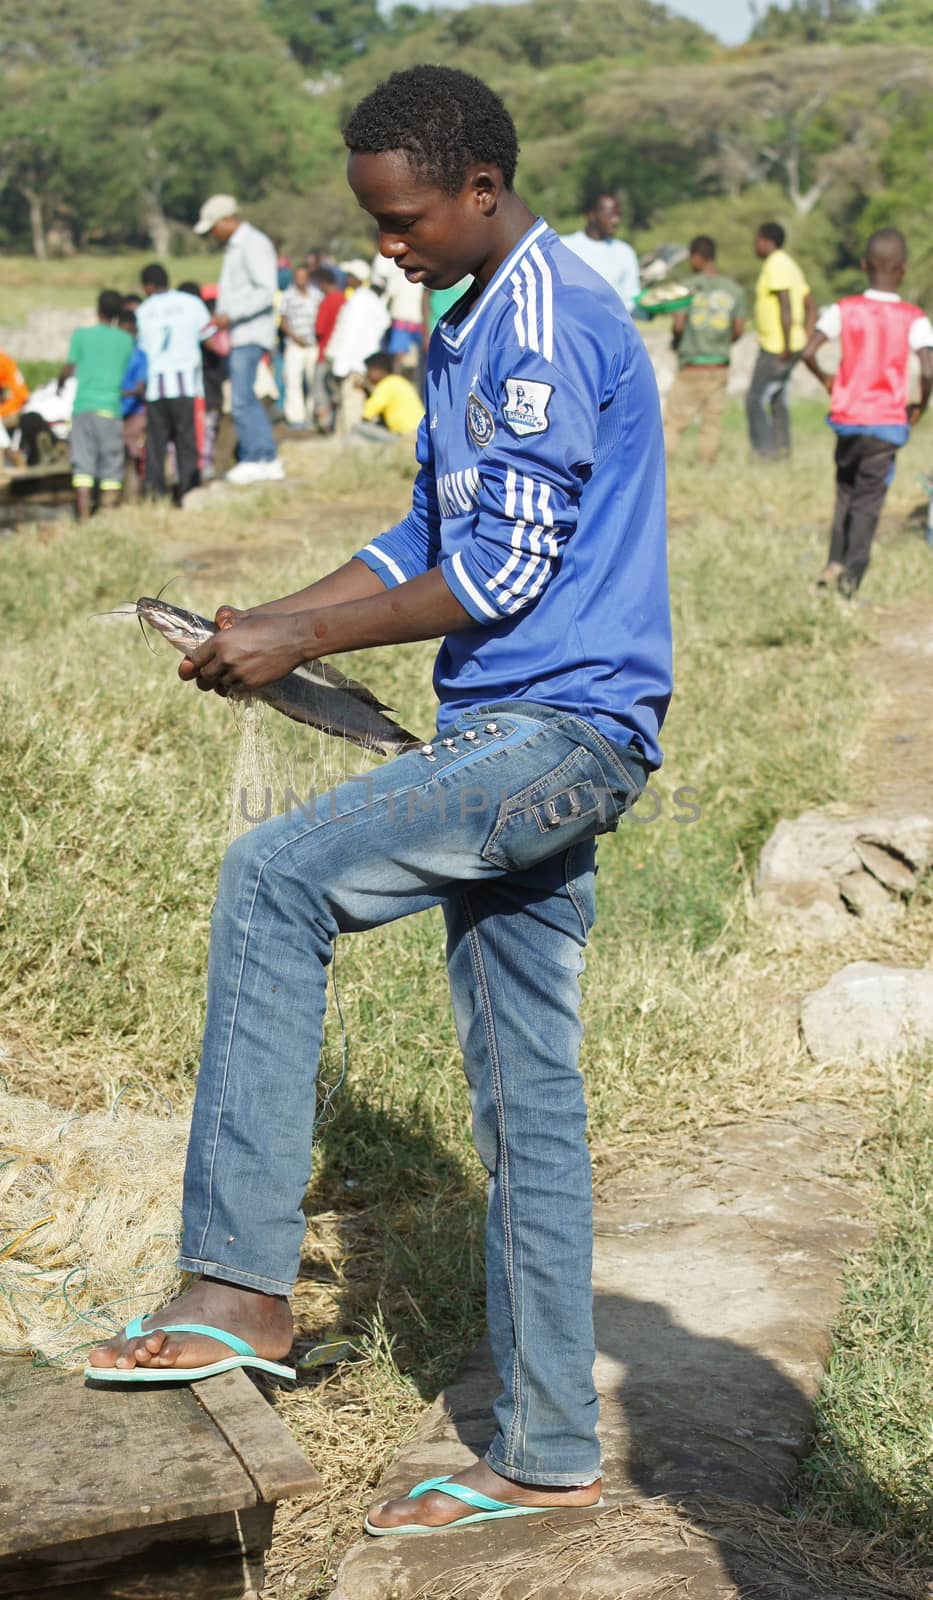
[243,1356]
[487,1509]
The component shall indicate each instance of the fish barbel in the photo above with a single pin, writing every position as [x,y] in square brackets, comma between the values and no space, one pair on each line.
[314,693]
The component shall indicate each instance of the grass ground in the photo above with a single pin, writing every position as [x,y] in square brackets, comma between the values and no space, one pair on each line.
[74,283]
[115,784]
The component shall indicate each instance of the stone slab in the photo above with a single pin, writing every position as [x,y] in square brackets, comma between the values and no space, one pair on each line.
[715,1289]
[869,1012]
[823,868]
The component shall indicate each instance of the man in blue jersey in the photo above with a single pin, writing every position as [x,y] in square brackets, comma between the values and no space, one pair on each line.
[535,550]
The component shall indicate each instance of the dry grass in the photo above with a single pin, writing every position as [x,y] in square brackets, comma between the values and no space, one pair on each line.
[762,1551]
[90,1221]
[116,787]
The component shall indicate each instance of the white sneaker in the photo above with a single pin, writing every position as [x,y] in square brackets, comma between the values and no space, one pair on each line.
[246,472]
[273,471]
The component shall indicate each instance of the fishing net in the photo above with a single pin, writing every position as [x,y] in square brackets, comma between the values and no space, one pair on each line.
[252,784]
[90,1219]
[270,773]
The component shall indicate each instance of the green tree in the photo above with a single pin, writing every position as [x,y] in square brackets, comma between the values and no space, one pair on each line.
[324,34]
[898,22]
[33,136]
[807,21]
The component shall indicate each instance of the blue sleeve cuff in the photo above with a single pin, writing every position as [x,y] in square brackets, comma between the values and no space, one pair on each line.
[468,589]
[383,564]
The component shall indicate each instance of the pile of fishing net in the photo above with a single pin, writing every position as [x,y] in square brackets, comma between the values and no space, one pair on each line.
[90,1218]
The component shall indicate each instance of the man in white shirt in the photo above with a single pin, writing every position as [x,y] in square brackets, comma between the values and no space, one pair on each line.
[249,282]
[170,326]
[404,302]
[597,245]
[298,316]
[358,332]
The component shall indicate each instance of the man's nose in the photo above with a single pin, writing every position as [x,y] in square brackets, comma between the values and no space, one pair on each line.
[390,245]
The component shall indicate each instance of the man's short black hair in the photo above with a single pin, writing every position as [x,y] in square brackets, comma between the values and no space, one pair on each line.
[190,287]
[593,196]
[132,300]
[442,118]
[109,305]
[154,276]
[703,246]
[886,250]
[127,320]
[324,275]
[380,359]
[774,232]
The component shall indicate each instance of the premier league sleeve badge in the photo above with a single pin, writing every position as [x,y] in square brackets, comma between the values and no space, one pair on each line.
[480,424]
[526,403]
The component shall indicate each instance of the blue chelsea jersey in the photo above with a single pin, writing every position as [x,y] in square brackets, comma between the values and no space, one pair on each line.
[541,497]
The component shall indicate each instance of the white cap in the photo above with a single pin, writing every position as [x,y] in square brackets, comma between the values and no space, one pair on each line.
[214,210]
[358,267]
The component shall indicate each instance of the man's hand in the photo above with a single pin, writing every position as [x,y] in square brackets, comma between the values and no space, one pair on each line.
[247,653]
[914,413]
[220,320]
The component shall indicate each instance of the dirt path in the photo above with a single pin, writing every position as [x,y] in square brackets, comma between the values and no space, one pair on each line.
[715,1289]
[902,736]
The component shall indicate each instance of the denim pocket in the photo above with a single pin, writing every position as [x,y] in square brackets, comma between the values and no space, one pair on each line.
[575,801]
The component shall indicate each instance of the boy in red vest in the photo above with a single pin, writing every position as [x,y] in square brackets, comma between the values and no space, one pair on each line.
[869,411]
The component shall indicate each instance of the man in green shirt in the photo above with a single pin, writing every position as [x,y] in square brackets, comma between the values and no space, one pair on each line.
[703,338]
[100,356]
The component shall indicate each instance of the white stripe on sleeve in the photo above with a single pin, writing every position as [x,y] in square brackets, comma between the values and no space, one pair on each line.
[532,318]
[393,566]
[467,583]
[547,304]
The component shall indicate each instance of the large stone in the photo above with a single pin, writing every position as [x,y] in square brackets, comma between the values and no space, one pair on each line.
[822,869]
[869,1012]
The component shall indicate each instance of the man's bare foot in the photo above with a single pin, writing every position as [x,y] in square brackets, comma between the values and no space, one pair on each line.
[263,1320]
[438,1510]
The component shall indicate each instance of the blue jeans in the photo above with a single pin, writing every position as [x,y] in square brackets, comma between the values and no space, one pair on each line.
[254,434]
[496,823]
[766,405]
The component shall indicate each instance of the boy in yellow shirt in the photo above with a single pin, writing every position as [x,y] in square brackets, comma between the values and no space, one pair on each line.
[393,407]
[785,314]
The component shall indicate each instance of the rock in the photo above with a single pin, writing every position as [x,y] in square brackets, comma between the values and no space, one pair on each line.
[821,869]
[869,1012]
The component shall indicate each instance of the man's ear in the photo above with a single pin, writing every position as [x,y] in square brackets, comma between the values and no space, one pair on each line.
[485,183]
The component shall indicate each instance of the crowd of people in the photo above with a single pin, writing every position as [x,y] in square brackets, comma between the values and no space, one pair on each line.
[341,346]
[332,347]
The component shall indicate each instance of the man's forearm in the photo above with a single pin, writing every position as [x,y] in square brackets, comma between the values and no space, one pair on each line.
[255,650]
[422,608]
[784,302]
[353,581]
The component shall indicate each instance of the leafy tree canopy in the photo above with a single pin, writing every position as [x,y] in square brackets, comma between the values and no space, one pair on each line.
[324,36]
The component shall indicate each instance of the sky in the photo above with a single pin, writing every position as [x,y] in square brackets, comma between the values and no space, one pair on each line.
[731,20]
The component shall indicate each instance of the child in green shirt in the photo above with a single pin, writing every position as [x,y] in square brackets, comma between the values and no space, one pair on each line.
[99,355]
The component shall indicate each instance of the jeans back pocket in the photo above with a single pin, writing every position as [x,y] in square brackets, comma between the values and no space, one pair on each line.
[570,803]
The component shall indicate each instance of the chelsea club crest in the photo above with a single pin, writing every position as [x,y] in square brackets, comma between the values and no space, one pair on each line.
[480,424]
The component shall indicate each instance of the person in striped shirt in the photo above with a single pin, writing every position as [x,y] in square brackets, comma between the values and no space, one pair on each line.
[535,551]
[298,318]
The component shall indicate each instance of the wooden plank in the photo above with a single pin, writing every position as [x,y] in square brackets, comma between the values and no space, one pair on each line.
[78,1462]
[261,1443]
[201,1558]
